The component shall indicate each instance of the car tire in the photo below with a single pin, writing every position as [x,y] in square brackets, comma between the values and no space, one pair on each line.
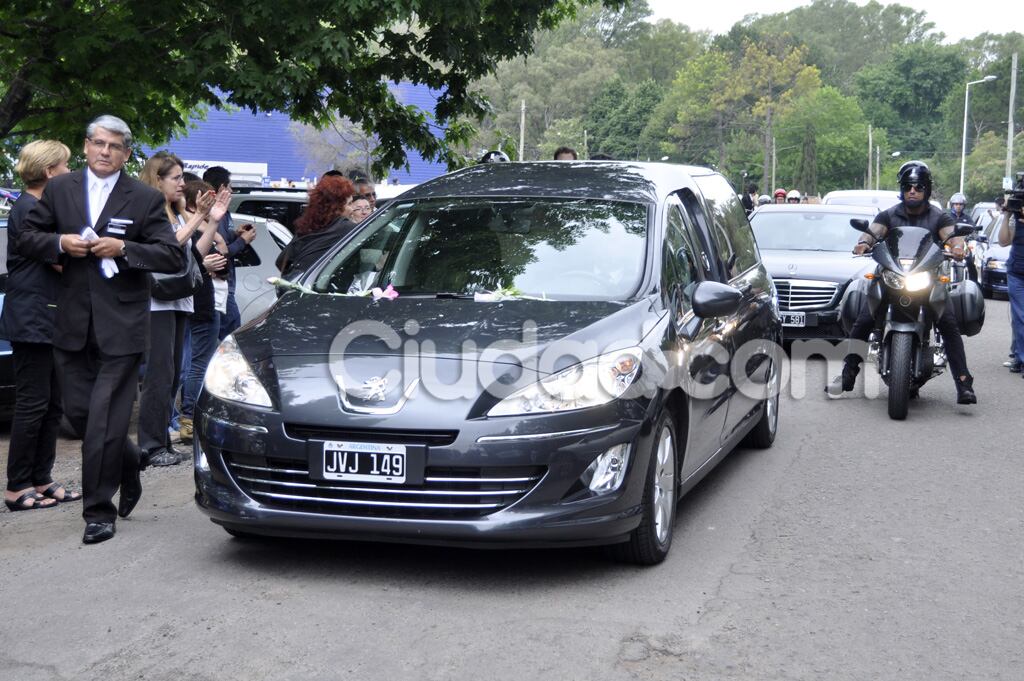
[650,542]
[763,434]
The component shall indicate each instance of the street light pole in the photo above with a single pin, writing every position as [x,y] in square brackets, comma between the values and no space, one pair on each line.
[963,146]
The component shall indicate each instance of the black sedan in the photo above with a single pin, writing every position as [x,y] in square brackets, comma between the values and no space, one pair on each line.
[808,249]
[556,368]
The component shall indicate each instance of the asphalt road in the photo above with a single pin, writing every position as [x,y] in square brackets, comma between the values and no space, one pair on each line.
[826,557]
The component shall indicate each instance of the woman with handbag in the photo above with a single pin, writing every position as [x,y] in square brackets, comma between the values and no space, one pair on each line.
[171,305]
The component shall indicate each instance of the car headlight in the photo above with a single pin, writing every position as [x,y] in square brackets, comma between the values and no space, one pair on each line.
[587,384]
[230,377]
[892,280]
[995,265]
[918,281]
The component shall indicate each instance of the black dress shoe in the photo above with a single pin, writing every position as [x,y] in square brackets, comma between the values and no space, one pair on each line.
[131,492]
[163,457]
[97,532]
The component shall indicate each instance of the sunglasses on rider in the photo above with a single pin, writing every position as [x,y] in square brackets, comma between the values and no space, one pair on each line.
[919,188]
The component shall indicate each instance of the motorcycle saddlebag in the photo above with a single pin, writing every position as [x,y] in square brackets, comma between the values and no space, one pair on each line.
[855,299]
[968,305]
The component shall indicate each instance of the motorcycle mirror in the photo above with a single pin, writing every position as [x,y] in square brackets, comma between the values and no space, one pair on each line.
[859,225]
[963,229]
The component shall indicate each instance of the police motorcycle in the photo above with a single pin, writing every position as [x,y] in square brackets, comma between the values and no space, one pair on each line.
[910,289]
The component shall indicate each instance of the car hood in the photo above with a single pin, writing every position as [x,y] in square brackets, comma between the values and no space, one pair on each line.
[820,265]
[510,331]
[997,252]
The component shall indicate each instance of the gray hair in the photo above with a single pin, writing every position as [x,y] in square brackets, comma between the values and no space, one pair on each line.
[113,124]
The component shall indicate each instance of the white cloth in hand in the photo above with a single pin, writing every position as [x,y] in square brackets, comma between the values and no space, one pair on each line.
[108,267]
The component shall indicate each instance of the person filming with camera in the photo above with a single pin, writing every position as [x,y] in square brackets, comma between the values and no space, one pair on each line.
[1010,234]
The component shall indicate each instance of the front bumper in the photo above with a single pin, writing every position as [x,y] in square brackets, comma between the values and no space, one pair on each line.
[252,475]
[823,324]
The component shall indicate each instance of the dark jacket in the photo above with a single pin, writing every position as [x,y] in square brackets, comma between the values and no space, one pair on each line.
[117,308]
[30,306]
[305,250]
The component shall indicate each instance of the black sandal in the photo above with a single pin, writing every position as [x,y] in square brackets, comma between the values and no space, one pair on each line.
[51,493]
[21,503]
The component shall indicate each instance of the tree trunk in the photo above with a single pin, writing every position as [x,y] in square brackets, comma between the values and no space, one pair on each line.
[15,102]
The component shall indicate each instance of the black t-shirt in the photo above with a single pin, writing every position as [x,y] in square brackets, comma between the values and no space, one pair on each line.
[934,219]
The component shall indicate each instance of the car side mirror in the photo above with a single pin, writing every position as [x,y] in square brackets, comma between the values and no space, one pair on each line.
[859,225]
[981,239]
[714,299]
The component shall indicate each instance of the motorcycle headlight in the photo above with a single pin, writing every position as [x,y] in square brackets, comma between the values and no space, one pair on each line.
[230,377]
[892,280]
[587,384]
[918,281]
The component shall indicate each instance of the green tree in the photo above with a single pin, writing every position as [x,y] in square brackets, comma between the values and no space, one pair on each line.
[822,138]
[154,63]
[771,79]
[905,94]
[621,133]
[986,166]
[842,37]
[694,119]
[661,52]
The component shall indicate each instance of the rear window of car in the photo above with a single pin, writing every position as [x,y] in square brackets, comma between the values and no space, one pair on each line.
[284,212]
[729,229]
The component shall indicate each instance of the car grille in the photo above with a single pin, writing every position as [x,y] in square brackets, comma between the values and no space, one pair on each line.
[796,294]
[447,493]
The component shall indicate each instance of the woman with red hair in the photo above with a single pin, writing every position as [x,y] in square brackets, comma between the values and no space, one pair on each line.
[323,224]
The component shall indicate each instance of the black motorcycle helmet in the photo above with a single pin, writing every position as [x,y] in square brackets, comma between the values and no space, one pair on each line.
[494,156]
[915,172]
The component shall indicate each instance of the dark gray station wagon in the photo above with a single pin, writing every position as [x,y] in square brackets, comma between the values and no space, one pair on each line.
[572,347]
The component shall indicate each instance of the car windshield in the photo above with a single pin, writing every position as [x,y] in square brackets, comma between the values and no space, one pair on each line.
[555,248]
[805,231]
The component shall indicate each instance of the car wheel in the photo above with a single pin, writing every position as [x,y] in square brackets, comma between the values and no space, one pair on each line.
[763,434]
[650,542]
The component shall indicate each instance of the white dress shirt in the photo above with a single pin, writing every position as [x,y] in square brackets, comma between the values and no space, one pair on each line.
[98,189]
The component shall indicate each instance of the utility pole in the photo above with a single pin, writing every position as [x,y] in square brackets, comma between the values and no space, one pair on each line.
[871,144]
[878,164]
[522,129]
[586,149]
[1008,178]
[773,167]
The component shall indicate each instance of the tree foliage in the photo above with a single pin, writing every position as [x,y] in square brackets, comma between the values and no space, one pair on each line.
[154,63]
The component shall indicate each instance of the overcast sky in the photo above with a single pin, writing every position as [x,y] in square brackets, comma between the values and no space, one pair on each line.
[956,19]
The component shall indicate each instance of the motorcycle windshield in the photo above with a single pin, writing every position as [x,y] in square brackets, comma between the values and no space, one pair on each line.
[906,243]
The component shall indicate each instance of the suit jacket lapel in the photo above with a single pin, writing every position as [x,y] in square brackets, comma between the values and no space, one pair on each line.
[119,196]
[80,198]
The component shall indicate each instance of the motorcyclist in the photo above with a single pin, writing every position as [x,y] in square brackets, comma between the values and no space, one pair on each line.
[956,206]
[763,200]
[914,209]
[779,195]
[793,196]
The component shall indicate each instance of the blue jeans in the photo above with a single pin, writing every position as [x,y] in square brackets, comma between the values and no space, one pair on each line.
[204,343]
[230,320]
[1015,290]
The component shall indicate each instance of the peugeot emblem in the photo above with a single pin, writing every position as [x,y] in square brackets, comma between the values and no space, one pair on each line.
[375,388]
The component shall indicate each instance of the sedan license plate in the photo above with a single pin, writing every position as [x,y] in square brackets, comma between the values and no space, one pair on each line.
[794,318]
[365,462]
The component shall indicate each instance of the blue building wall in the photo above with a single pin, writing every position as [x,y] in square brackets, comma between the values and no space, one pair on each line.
[243,137]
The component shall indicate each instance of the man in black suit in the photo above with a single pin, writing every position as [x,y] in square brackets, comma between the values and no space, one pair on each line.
[102,307]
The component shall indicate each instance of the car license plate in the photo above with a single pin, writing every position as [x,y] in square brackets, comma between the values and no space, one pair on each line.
[365,462]
[794,319]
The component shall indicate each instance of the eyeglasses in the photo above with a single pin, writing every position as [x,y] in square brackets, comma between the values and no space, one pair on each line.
[919,188]
[102,144]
